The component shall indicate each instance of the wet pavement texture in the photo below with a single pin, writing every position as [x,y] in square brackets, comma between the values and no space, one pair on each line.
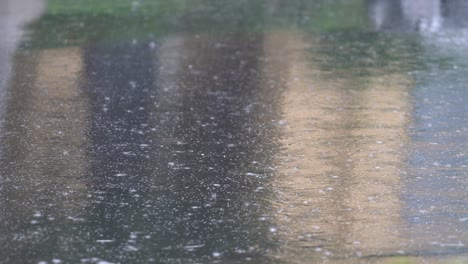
[203,131]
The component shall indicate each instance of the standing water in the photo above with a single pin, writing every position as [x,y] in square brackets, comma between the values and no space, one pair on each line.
[202,131]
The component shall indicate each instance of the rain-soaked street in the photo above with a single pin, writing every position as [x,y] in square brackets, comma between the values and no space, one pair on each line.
[247,131]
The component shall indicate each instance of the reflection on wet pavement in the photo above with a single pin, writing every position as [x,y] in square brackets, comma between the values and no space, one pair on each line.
[274,137]
[340,169]
[14,15]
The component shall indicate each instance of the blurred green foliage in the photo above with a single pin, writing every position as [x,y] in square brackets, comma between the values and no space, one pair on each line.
[71,22]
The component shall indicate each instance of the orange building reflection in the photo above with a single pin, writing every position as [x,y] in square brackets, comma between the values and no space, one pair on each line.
[343,152]
[45,117]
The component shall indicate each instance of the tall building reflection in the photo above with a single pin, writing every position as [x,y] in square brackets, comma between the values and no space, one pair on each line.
[433,193]
[180,148]
[344,138]
[44,167]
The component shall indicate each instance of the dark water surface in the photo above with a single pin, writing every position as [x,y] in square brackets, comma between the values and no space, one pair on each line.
[233,131]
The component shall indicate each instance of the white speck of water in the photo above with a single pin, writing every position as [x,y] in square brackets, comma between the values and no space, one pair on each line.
[282,122]
[120,175]
[459,244]
[104,262]
[216,254]
[464,219]
[152,45]
[130,248]
[75,219]
[104,241]
[193,247]
[248,108]
[56,261]
[273,229]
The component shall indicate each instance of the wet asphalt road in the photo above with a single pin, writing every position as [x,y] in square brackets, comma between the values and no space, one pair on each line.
[247,132]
